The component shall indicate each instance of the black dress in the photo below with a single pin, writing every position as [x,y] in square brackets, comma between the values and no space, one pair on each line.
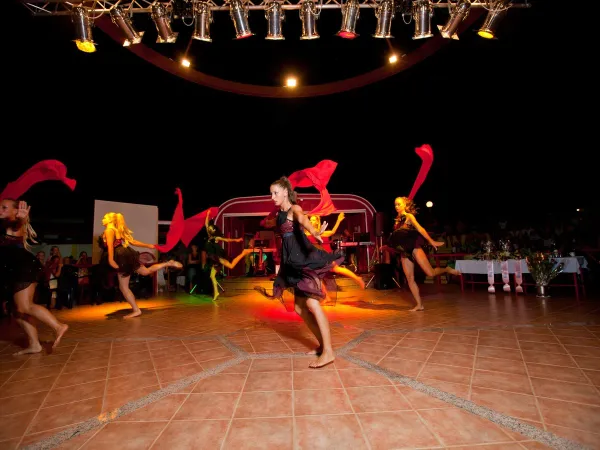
[19,268]
[303,266]
[126,258]
[405,238]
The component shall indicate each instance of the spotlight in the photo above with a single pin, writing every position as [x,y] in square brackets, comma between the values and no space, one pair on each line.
[239,15]
[393,59]
[123,21]
[384,13]
[429,204]
[309,16]
[274,15]
[202,20]
[186,62]
[458,14]
[163,26]
[83,30]
[422,12]
[291,82]
[350,14]
[494,16]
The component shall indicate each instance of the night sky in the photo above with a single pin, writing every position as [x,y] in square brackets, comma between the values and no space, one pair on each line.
[501,116]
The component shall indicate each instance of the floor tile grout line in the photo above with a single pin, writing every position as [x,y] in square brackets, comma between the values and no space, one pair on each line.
[105,393]
[235,407]
[596,388]
[473,368]
[429,357]
[501,419]
[360,425]
[45,398]
[98,421]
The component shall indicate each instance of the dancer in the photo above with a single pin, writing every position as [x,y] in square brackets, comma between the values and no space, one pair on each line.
[315,221]
[116,241]
[303,266]
[407,239]
[21,271]
[216,254]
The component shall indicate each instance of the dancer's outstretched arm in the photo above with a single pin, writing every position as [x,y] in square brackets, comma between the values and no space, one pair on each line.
[423,232]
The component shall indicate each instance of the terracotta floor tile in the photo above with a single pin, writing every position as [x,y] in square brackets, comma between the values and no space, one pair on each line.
[329,432]
[400,429]
[196,435]
[130,435]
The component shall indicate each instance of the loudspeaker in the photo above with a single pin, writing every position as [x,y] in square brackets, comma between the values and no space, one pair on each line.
[384,276]
[381,224]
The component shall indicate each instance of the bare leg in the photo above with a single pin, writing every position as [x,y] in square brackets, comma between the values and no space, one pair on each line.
[409,271]
[327,356]
[423,261]
[213,278]
[232,264]
[348,273]
[129,297]
[25,306]
[311,323]
[145,271]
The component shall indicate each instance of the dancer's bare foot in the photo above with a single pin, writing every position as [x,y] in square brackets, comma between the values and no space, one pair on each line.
[417,308]
[455,272]
[326,357]
[59,334]
[133,314]
[173,263]
[35,348]
[317,351]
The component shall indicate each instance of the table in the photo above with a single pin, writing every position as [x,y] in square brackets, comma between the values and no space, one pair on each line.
[573,265]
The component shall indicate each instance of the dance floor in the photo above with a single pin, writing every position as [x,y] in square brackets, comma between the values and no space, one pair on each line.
[472,371]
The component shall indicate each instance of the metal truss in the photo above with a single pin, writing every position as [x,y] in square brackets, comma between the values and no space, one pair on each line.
[99,7]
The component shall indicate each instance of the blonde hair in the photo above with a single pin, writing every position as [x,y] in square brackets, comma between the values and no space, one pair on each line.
[26,229]
[118,223]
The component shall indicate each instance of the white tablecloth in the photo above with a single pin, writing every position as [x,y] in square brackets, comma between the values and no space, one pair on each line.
[474,266]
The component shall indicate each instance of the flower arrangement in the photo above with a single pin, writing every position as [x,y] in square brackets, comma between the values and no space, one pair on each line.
[543,268]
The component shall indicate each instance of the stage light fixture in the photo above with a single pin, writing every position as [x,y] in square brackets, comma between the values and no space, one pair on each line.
[429,204]
[393,59]
[202,20]
[291,82]
[239,15]
[83,29]
[274,15]
[458,14]
[163,25]
[494,16]
[186,62]
[350,14]
[123,21]
[384,13]
[422,12]
[309,13]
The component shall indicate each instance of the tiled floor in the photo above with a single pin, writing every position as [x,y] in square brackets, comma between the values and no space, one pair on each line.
[188,375]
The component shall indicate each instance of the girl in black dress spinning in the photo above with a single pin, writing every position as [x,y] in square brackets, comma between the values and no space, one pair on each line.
[408,239]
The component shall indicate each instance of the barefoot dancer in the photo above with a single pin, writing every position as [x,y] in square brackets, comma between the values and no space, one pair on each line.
[407,239]
[303,267]
[117,239]
[20,272]
[216,254]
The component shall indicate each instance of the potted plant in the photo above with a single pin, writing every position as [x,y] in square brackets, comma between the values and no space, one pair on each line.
[543,268]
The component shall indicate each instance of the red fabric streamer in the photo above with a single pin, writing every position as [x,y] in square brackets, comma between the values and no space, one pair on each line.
[426,154]
[184,229]
[176,227]
[46,170]
[194,224]
[318,177]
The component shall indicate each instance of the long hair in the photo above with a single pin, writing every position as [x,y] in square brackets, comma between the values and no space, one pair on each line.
[409,205]
[26,229]
[284,183]
[118,222]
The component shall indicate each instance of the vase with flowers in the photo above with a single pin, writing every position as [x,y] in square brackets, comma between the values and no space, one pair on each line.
[543,268]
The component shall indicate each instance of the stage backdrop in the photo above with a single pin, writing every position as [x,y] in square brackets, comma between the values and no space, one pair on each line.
[141,219]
